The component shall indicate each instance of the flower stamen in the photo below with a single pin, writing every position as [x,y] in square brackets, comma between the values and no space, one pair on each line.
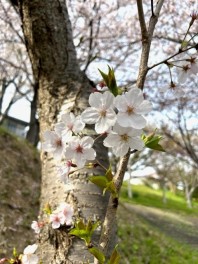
[58,143]
[130,110]
[79,149]
[124,137]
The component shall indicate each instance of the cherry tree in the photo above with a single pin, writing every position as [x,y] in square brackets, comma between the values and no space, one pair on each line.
[16,73]
[117,115]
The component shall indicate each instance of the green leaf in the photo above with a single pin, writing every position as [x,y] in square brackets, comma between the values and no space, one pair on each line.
[105,77]
[115,257]
[109,174]
[14,253]
[156,147]
[151,141]
[110,80]
[47,209]
[97,254]
[80,224]
[83,230]
[111,187]
[100,181]
[94,226]
[83,234]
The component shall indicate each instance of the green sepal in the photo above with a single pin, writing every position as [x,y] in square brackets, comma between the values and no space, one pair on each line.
[115,257]
[110,80]
[97,254]
[151,141]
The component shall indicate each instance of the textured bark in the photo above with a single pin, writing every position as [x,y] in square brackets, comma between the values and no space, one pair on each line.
[33,132]
[61,85]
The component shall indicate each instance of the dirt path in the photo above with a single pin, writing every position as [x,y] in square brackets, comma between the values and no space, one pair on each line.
[182,228]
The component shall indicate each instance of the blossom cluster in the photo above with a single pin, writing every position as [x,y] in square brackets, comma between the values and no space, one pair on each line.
[61,216]
[120,118]
[185,67]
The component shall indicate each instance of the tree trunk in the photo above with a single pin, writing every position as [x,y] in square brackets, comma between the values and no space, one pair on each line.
[33,132]
[188,195]
[61,85]
[2,93]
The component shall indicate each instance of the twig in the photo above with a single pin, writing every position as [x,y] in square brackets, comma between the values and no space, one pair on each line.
[152,9]
[142,20]
[146,41]
[172,56]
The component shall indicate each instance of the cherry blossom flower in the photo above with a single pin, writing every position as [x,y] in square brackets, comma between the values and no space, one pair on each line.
[37,226]
[131,107]
[102,87]
[64,170]
[69,125]
[79,150]
[183,72]
[28,256]
[101,112]
[65,213]
[53,142]
[3,260]
[62,215]
[173,90]
[55,219]
[123,138]
[193,64]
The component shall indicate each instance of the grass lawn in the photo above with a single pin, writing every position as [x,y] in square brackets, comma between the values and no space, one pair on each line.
[142,243]
[147,196]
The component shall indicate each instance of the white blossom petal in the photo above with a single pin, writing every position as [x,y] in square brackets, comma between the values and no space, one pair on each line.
[121,150]
[30,249]
[112,140]
[134,120]
[90,115]
[144,108]
[95,99]
[136,143]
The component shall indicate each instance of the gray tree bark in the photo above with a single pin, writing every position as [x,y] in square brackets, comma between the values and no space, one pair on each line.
[33,132]
[61,85]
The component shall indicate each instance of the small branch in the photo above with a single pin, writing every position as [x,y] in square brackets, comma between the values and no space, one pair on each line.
[142,20]
[152,9]
[172,56]
[146,41]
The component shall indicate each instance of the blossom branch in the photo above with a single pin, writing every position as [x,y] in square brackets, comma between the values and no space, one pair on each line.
[110,218]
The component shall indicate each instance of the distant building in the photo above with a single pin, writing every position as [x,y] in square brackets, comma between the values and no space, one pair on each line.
[15,126]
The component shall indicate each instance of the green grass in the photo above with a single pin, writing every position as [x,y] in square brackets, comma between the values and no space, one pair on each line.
[140,243]
[147,196]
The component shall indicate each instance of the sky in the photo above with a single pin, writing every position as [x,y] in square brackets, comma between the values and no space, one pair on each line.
[20,109]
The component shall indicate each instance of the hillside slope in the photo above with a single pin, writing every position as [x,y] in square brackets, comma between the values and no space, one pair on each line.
[19,192]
